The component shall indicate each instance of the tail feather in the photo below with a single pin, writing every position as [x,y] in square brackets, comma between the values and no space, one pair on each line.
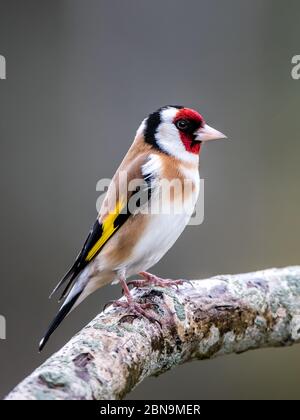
[67,288]
[70,273]
[63,312]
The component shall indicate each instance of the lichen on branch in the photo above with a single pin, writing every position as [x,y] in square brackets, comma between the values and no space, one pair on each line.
[201,319]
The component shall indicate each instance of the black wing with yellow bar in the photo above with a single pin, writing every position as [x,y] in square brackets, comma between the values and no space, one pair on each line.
[97,238]
[103,231]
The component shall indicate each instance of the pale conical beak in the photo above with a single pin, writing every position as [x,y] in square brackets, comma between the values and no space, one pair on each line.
[207,133]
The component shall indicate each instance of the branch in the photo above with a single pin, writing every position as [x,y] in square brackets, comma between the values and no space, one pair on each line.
[222,315]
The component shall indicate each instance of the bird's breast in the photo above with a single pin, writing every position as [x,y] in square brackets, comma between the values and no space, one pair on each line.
[170,212]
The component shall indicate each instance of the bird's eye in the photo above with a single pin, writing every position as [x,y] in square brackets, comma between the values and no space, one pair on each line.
[182,124]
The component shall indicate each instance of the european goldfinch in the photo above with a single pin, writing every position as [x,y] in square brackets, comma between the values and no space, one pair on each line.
[127,240]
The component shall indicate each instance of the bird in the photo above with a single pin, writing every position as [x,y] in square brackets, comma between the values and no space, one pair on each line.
[133,231]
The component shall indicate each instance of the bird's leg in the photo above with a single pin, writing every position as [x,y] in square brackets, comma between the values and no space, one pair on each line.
[126,290]
[135,308]
[152,280]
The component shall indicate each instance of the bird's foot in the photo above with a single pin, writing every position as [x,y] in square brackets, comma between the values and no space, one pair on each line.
[134,308]
[152,280]
[137,309]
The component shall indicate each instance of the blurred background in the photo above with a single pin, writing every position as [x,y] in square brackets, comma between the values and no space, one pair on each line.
[81,75]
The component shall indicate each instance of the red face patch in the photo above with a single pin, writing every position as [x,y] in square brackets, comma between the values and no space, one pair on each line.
[188,122]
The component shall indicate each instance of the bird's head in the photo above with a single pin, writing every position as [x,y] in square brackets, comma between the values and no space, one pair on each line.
[178,131]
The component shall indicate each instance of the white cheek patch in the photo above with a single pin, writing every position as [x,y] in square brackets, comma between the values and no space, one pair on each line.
[168,138]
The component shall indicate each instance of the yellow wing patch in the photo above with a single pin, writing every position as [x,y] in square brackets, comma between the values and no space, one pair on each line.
[108,229]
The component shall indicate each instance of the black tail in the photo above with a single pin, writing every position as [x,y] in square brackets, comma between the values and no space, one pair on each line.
[72,273]
[63,312]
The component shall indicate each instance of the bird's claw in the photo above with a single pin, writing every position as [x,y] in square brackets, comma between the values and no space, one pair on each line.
[137,310]
[152,280]
[109,303]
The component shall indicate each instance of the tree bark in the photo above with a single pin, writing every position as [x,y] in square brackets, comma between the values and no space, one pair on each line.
[199,320]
